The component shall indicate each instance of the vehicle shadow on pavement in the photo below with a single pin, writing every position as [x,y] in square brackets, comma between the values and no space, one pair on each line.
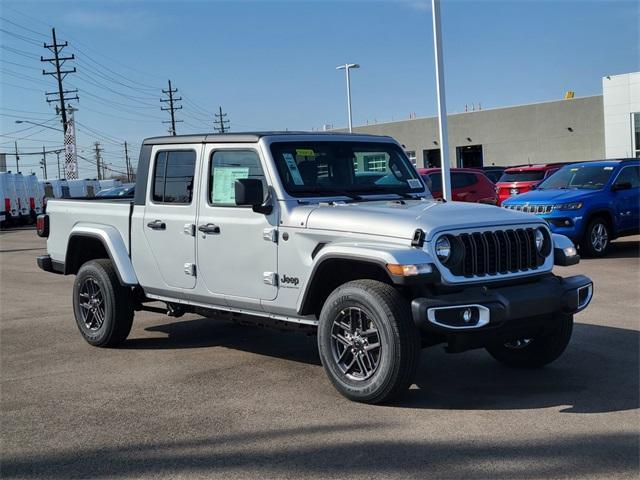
[599,372]
[319,452]
[212,332]
[621,249]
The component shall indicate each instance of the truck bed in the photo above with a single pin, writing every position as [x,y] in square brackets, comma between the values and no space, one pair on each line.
[64,214]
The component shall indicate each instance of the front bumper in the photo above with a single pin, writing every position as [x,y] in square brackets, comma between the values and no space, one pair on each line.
[496,314]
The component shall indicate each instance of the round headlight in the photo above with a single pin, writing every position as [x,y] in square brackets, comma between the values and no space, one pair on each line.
[539,236]
[443,249]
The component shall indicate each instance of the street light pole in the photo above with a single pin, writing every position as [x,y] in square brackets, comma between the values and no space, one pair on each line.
[38,124]
[442,108]
[346,67]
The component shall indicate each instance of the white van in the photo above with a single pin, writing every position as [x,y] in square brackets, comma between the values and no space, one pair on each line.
[23,198]
[83,188]
[9,205]
[35,199]
[55,188]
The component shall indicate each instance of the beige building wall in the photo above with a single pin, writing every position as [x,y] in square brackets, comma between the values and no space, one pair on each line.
[564,130]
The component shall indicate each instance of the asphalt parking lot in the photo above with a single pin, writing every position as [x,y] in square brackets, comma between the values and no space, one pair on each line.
[203,398]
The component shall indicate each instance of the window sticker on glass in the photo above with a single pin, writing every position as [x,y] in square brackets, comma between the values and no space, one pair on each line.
[293,169]
[305,152]
[414,183]
[224,180]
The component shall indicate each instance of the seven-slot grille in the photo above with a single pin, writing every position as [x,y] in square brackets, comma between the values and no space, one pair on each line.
[496,252]
[539,209]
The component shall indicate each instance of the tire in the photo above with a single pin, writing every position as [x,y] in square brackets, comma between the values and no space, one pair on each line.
[537,351]
[102,306]
[380,374]
[597,238]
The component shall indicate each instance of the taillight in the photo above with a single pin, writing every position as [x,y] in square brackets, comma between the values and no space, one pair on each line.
[7,205]
[42,225]
[32,203]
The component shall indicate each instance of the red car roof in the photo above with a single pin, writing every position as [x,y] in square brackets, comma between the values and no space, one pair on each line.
[535,168]
[426,171]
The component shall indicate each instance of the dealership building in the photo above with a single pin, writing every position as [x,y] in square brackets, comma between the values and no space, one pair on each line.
[572,129]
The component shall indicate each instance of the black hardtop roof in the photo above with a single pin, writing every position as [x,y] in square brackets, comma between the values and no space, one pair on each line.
[244,137]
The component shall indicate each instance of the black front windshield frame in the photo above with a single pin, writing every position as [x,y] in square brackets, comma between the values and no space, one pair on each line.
[579,177]
[344,168]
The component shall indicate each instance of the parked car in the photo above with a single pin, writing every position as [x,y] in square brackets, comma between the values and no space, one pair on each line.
[591,203]
[124,190]
[9,213]
[493,173]
[107,184]
[467,185]
[517,180]
[282,228]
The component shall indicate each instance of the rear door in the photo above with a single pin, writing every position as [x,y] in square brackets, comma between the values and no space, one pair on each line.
[237,247]
[170,214]
[627,202]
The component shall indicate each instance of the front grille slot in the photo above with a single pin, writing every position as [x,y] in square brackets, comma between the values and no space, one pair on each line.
[496,253]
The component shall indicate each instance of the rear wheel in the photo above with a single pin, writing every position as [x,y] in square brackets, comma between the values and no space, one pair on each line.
[102,306]
[597,238]
[368,343]
[536,351]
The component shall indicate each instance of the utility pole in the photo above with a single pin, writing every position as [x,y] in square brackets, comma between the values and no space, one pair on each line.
[58,159]
[126,159]
[98,160]
[44,162]
[172,107]
[17,157]
[221,124]
[57,61]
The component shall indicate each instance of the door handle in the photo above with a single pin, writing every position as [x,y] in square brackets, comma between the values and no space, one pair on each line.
[157,225]
[209,228]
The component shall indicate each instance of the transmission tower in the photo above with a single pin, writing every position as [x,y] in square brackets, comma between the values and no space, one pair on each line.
[172,107]
[221,124]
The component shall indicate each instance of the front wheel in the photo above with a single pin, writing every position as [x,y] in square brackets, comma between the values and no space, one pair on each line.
[102,306]
[597,238]
[536,351]
[368,343]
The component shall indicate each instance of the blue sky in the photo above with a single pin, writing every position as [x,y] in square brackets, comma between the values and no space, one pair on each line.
[271,65]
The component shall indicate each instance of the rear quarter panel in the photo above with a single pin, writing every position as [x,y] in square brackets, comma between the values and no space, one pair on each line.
[64,215]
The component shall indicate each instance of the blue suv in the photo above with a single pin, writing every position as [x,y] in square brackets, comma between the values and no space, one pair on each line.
[589,202]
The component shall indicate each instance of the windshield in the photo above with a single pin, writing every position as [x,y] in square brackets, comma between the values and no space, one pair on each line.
[528,176]
[313,169]
[592,177]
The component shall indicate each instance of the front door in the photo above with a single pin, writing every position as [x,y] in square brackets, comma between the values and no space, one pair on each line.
[237,247]
[170,215]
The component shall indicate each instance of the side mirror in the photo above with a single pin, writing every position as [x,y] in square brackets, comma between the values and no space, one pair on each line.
[249,193]
[621,186]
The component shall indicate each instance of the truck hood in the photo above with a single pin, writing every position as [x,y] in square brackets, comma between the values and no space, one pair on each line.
[551,196]
[401,219]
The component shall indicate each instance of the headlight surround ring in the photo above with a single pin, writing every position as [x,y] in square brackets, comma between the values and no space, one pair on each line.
[443,247]
[542,241]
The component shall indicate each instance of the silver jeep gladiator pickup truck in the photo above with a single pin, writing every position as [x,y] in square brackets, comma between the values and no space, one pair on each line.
[331,232]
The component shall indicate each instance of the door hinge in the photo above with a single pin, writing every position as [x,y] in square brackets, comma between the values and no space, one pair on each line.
[190,269]
[270,234]
[190,229]
[270,278]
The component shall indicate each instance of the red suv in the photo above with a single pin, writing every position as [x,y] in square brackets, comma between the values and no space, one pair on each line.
[467,185]
[517,180]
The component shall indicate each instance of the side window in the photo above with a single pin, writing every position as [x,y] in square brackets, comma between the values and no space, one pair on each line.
[461,179]
[435,182]
[227,166]
[173,177]
[630,175]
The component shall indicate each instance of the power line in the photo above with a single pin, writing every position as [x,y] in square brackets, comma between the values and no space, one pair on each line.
[221,124]
[172,107]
